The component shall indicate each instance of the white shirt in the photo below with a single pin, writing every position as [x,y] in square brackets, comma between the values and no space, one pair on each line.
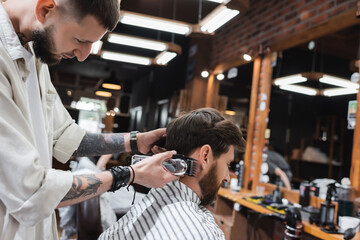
[172,212]
[30,191]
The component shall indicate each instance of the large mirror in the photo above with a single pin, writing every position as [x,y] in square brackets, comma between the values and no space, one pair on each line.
[308,120]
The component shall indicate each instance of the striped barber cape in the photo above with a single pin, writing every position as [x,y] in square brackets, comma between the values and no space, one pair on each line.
[171,212]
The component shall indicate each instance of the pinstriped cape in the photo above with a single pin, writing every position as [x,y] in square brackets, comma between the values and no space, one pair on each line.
[172,212]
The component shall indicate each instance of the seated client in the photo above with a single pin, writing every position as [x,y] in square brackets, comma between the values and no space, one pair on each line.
[177,211]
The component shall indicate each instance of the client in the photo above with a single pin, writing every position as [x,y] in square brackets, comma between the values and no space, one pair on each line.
[178,211]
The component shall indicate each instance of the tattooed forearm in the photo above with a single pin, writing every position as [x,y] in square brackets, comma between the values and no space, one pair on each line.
[23,39]
[76,191]
[100,144]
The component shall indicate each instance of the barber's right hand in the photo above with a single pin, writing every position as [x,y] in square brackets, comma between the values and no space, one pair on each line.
[150,172]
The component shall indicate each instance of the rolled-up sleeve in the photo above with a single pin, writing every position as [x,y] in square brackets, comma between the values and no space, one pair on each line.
[29,191]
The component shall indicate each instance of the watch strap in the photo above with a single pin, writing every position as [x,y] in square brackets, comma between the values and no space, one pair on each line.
[133,142]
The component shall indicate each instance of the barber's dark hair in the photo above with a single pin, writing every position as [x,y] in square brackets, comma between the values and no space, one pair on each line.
[107,12]
[203,126]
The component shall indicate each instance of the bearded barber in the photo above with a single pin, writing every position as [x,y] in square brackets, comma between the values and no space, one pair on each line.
[35,126]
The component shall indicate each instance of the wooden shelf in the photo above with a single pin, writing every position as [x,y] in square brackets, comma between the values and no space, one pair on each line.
[230,220]
[334,163]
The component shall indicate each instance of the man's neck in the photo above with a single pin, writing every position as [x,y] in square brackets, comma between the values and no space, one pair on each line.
[193,184]
[22,17]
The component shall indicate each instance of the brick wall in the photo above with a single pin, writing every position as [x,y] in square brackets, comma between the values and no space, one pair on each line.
[268,21]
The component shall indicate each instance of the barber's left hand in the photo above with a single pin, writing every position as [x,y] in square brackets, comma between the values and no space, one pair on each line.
[146,140]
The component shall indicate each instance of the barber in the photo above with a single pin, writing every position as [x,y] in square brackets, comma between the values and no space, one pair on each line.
[35,126]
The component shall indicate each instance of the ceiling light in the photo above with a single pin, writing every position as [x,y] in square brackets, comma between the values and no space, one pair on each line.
[121,57]
[156,23]
[217,18]
[339,91]
[103,94]
[247,57]
[299,89]
[229,112]
[220,77]
[96,47]
[165,57]
[205,74]
[111,86]
[311,45]
[111,82]
[298,78]
[340,82]
[137,42]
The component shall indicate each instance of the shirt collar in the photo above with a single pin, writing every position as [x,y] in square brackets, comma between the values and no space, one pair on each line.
[9,38]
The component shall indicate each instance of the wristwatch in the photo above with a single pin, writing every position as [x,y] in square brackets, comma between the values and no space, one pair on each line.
[133,142]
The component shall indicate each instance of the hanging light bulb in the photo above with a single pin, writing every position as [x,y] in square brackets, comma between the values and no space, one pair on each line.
[205,74]
[247,57]
[220,76]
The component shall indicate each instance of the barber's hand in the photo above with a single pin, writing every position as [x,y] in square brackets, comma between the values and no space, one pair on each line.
[146,140]
[150,172]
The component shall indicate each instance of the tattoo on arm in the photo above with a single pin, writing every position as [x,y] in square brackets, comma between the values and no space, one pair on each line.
[22,38]
[100,144]
[76,190]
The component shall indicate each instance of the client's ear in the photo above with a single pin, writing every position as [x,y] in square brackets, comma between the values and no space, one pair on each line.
[206,156]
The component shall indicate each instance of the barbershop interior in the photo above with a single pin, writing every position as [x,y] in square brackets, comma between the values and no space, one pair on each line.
[285,72]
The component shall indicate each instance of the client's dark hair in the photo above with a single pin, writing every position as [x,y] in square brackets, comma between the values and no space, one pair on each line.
[203,126]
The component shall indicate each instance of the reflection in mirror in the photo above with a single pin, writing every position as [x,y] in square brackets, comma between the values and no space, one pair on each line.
[312,131]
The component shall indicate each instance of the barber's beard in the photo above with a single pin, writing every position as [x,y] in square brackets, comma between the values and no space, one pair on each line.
[44,46]
[209,185]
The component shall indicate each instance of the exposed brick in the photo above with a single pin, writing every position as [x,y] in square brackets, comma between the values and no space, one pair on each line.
[338,2]
[301,26]
[269,21]
[307,14]
[321,2]
[298,5]
[338,10]
[277,21]
[352,5]
[326,7]
[318,19]
[291,16]
[292,23]
[284,11]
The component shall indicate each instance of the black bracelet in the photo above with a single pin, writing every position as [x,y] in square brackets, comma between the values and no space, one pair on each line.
[132,181]
[133,178]
[121,176]
[133,142]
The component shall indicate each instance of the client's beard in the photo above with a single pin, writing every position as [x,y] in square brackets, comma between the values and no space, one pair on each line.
[44,45]
[209,186]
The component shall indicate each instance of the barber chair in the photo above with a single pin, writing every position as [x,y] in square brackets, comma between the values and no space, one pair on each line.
[89,219]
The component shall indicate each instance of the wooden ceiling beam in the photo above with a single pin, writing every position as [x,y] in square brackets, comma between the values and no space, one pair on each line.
[241,5]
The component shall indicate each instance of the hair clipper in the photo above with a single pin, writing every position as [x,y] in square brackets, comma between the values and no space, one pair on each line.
[178,165]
